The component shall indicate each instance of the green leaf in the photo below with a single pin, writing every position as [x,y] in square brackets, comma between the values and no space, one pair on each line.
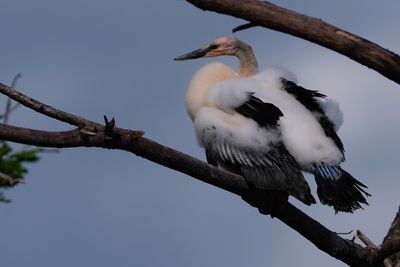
[12,164]
[27,155]
[4,149]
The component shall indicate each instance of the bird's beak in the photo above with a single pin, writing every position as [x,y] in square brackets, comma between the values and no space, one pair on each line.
[198,53]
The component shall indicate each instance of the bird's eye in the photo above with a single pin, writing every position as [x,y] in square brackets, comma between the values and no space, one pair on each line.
[213,46]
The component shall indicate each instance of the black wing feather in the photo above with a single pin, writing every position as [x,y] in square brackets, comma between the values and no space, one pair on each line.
[265,114]
[304,96]
[275,169]
[308,99]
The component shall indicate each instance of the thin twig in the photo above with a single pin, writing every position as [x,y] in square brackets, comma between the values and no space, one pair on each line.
[365,239]
[244,27]
[9,180]
[344,233]
[382,252]
[10,108]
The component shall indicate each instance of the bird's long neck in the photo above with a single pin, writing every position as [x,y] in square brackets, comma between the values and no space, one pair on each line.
[247,62]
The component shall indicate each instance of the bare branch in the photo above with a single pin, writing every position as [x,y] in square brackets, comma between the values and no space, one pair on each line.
[9,108]
[15,80]
[244,27]
[8,180]
[323,238]
[374,249]
[315,30]
[365,239]
[394,232]
[344,233]
[387,249]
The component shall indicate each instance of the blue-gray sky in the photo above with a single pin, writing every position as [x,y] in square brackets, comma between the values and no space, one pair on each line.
[94,207]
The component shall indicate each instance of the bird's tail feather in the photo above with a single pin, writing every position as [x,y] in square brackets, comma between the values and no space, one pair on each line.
[339,189]
[286,180]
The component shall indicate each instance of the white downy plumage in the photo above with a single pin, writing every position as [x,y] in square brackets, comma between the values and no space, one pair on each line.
[302,134]
[235,141]
[225,107]
[300,131]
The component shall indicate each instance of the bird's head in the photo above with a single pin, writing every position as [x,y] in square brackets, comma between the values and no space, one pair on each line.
[228,46]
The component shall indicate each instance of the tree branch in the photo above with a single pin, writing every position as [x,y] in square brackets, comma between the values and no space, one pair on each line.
[315,30]
[323,238]
[387,249]
[8,180]
[394,232]
[92,134]
[10,108]
[386,261]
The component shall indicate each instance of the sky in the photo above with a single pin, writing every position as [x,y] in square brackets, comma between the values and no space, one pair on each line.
[96,207]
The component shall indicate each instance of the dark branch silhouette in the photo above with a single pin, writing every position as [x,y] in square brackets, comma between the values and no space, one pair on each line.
[9,105]
[315,30]
[394,232]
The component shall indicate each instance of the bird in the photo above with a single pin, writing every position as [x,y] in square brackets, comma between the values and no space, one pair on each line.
[264,126]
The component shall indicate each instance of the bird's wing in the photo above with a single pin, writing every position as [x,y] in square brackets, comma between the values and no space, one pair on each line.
[265,114]
[248,143]
[311,99]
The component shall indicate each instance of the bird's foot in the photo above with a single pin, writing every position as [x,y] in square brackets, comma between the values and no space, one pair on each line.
[266,201]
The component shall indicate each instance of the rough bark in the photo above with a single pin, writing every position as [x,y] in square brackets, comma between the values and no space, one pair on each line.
[315,30]
[394,233]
